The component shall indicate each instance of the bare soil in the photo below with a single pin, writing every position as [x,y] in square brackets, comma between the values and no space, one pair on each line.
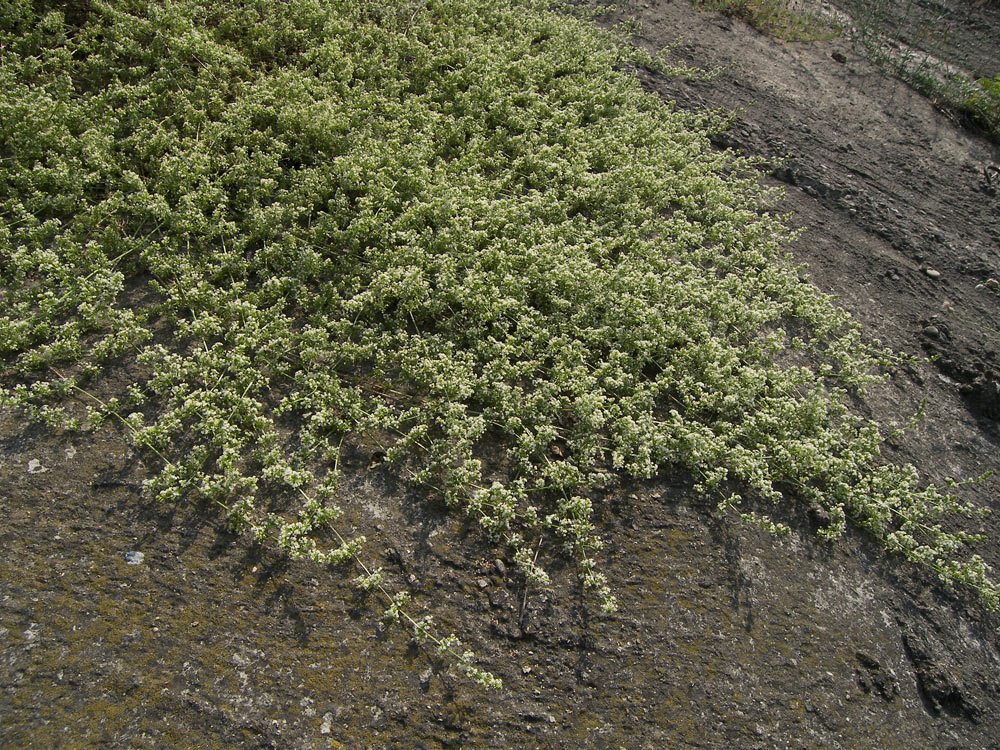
[725,636]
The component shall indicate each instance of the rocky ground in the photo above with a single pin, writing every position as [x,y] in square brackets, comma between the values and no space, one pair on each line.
[125,624]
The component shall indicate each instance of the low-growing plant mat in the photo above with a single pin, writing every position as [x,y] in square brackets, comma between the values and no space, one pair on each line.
[453,231]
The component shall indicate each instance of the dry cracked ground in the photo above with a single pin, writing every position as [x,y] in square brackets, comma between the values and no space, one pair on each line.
[130,625]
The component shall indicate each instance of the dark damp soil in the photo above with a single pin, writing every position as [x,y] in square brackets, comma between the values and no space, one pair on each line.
[725,637]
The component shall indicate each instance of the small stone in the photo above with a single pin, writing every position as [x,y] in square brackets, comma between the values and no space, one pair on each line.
[306,704]
[501,568]
[134,558]
[839,57]
[425,678]
[985,393]
[35,467]
[934,274]
[525,669]
[539,716]
[482,583]
[932,331]
[327,724]
[819,514]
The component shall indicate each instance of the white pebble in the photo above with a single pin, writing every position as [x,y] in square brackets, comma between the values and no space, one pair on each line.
[134,558]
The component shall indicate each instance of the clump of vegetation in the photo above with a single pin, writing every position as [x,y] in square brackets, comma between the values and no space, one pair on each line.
[454,227]
[982,102]
[778,18]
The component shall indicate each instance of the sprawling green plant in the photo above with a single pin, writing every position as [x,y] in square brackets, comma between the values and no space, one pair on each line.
[452,227]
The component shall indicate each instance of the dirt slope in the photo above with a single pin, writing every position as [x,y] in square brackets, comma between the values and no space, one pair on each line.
[724,638]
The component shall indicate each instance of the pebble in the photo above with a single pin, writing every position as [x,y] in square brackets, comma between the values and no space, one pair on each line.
[35,467]
[327,724]
[932,331]
[934,274]
[134,558]
[539,716]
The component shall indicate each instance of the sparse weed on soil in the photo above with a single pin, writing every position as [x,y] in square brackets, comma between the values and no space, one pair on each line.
[452,227]
[922,62]
[974,101]
[778,18]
